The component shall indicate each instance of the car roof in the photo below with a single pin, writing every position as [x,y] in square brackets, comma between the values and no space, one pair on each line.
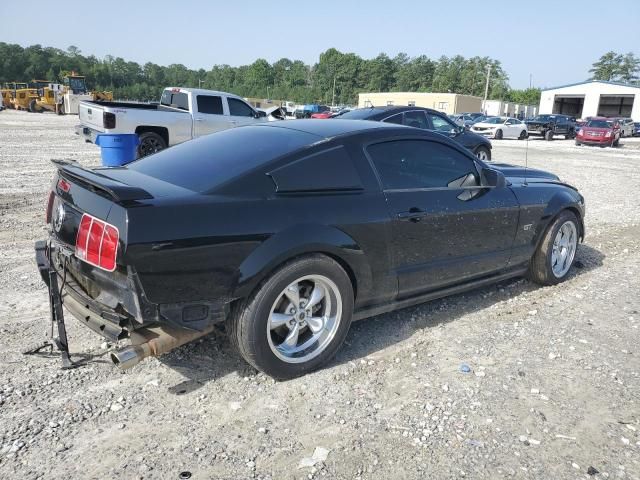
[329,128]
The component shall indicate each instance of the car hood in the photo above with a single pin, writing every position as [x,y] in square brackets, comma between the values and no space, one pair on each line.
[538,122]
[596,129]
[485,125]
[517,174]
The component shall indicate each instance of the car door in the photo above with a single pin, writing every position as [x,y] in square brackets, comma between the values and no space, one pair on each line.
[209,115]
[511,128]
[240,113]
[444,228]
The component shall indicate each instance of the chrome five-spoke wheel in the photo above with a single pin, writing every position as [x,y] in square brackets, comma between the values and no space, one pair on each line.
[564,249]
[304,319]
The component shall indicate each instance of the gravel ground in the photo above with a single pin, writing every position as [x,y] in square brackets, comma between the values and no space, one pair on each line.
[552,392]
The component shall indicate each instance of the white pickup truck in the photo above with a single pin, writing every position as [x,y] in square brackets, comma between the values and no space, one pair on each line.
[182,114]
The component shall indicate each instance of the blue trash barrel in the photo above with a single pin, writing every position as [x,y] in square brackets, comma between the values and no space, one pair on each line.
[117,150]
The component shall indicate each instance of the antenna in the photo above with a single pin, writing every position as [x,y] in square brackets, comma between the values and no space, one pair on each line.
[526,160]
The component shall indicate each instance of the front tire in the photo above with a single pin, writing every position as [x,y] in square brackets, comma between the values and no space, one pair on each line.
[551,263]
[523,135]
[483,153]
[297,319]
[498,135]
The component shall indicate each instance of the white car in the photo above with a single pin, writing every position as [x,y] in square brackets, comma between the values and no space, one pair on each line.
[501,127]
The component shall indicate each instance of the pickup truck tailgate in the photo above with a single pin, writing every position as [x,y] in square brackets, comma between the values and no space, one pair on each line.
[91,115]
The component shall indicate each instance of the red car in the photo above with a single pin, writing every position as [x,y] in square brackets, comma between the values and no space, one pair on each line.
[327,114]
[599,131]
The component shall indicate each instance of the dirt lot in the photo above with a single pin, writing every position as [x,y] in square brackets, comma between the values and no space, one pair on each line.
[553,392]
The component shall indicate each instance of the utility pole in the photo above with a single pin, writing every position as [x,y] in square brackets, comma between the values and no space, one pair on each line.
[333,101]
[200,82]
[486,86]
[531,80]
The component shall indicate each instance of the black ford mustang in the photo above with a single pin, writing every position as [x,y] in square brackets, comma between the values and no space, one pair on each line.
[289,231]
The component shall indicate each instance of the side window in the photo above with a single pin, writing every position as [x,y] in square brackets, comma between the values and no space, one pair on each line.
[440,124]
[408,164]
[238,108]
[209,104]
[397,119]
[416,119]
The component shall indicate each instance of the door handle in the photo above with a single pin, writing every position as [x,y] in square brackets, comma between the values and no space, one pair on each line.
[414,215]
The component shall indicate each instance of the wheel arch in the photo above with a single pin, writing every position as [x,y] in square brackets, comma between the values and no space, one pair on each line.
[560,202]
[162,131]
[300,241]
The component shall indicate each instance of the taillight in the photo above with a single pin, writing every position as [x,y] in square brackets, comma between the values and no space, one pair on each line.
[49,206]
[108,120]
[97,243]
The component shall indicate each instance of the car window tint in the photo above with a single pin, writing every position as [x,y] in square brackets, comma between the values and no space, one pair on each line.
[204,164]
[210,104]
[440,124]
[394,119]
[175,99]
[239,109]
[416,119]
[406,164]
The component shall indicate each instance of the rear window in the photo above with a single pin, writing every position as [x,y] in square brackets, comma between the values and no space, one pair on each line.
[175,99]
[203,164]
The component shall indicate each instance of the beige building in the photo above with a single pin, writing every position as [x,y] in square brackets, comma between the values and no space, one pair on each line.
[448,103]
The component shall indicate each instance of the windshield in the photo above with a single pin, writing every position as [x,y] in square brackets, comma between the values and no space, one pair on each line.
[207,162]
[494,120]
[361,113]
[598,124]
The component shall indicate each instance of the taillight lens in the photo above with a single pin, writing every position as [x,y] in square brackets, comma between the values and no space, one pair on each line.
[63,185]
[97,243]
[49,207]
[109,120]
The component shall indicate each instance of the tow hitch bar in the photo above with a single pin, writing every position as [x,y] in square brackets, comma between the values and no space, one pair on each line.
[57,319]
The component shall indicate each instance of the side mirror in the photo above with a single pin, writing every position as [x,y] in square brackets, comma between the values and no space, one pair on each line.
[493,178]
[260,114]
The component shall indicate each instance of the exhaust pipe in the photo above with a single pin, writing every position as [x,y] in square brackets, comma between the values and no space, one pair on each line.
[153,342]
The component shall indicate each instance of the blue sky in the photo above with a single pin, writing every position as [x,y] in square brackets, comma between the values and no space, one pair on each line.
[555,42]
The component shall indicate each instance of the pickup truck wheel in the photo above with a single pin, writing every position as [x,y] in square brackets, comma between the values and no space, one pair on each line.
[548,135]
[150,142]
[297,318]
[553,259]
[483,153]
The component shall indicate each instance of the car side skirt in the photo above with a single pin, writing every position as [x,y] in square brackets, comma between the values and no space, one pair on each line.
[434,295]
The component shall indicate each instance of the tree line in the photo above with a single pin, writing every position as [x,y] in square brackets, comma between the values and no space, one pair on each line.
[337,77]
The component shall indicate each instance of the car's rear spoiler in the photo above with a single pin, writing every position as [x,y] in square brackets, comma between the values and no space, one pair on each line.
[118,191]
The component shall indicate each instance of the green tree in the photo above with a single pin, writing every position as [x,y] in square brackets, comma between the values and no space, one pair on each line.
[607,68]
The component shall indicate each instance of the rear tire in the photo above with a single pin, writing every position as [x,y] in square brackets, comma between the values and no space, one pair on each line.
[150,143]
[578,144]
[260,331]
[33,106]
[548,135]
[523,135]
[556,250]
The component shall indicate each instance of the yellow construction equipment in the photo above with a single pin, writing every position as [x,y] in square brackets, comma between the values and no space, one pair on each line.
[49,97]
[21,95]
[75,91]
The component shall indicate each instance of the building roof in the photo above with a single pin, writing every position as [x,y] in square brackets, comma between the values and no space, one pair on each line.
[621,84]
